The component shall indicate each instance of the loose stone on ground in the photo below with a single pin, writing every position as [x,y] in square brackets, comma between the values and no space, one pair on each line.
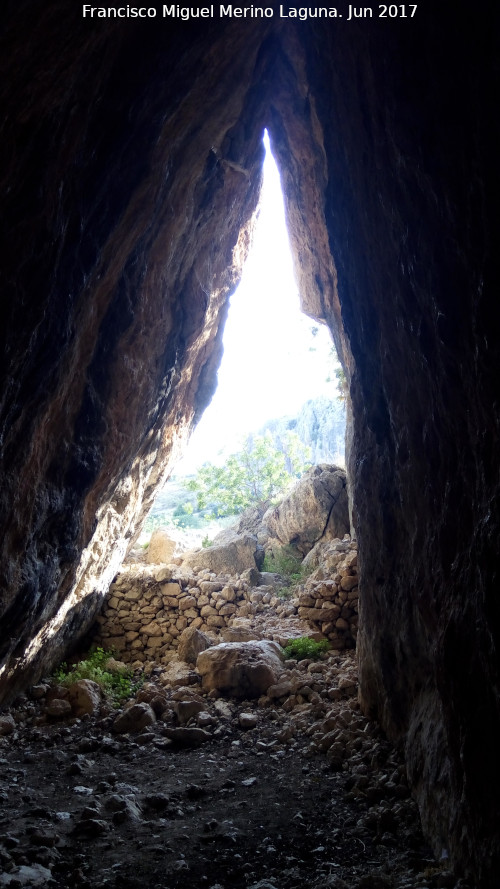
[231,767]
[185,786]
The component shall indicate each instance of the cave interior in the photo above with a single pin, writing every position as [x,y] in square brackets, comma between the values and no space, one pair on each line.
[131,158]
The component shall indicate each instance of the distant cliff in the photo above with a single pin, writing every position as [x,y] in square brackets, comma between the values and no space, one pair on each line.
[320,424]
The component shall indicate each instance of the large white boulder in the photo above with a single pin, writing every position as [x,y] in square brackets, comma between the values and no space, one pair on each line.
[233,557]
[315,509]
[161,548]
[240,669]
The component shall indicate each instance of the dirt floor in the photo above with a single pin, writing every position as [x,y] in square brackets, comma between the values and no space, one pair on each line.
[311,795]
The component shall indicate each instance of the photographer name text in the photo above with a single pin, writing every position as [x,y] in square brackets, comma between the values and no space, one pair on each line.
[186,13]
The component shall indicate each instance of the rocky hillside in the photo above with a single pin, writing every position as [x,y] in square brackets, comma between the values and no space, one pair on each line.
[320,424]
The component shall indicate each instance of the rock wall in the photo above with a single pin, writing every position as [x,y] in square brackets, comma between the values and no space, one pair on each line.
[329,599]
[129,175]
[409,208]
[320,424]
[148,607]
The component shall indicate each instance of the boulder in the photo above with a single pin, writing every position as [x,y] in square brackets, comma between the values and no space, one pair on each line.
[7,724]
[248,720]
[158,701]
[56,691]
[185,710]
[238,553]
[249,522]
[115,666]
[240,669]
[84,697]
[252,576]
[161,547]
[187,736]
[134,718]
[178,674]
[239,634]
[123,808]
[58,708]
[315,509]
[163,574]
[191,643]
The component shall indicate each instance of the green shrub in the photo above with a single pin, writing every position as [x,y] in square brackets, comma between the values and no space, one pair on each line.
[206,542]
[117,684]
[258,473]
[287,562]
[183,509]
[194,521]
[304,647]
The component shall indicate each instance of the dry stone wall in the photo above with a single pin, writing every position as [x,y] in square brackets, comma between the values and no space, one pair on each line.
[149,606]
[329,600]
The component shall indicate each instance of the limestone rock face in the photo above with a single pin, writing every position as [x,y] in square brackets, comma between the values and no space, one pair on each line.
[235,556]
[161,547]
[315,509]
[320,424]
[240,669]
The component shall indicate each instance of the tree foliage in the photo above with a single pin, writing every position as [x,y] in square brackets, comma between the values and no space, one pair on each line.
[257,473]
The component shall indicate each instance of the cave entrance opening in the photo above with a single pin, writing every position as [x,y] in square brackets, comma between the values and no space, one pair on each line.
[278,376]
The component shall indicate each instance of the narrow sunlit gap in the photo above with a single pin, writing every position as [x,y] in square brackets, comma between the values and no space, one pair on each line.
[276,359]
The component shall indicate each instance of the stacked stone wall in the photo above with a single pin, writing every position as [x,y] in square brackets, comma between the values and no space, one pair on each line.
[148,607]
[329,599]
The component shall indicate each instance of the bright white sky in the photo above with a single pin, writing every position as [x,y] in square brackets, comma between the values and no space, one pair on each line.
[272,362]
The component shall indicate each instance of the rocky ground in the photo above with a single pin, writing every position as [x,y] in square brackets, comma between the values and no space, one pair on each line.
[281,792]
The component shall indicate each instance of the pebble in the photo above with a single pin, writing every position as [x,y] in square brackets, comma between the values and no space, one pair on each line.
[248,720]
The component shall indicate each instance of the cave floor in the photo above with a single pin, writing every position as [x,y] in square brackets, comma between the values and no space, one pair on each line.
[267,807]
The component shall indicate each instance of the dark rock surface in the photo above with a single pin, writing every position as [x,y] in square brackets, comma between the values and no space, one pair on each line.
[407,175]
[124,206]
[129,169]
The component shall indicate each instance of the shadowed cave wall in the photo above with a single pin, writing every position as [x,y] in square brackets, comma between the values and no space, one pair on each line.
[131,155]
